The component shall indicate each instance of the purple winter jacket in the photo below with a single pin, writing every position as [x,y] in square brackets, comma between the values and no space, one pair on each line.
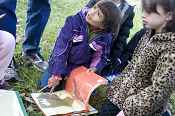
[73,48]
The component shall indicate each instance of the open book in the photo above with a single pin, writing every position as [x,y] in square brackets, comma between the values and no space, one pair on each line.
[11,104]
[75,98]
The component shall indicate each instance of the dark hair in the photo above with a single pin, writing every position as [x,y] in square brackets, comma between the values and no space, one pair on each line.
[167,5]
[112,15]
[122,1]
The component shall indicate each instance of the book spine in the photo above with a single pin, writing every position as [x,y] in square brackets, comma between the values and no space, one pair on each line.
[21,103]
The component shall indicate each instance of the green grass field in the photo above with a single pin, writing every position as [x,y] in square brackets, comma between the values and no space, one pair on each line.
[60,10]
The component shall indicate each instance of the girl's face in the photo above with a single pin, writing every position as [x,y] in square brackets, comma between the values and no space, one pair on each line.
[95,17]
[156,21]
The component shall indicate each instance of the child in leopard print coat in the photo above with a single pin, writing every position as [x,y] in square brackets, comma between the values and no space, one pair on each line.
[146,84]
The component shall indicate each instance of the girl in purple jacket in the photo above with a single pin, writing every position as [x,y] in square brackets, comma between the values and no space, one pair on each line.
[85,39]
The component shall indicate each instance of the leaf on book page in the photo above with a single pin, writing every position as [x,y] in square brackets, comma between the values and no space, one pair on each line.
[52,100]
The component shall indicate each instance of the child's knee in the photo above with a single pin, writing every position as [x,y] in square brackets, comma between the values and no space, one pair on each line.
[7,42]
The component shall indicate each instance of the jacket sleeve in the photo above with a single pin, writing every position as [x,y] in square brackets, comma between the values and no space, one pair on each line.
[129,50]
[101,54]
[120,40]
[58,59]
[155,96]
[132,44]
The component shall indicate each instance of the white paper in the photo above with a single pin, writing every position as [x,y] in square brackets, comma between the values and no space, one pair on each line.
[9,104]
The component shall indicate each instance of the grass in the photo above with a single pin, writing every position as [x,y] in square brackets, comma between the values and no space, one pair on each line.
[60,10]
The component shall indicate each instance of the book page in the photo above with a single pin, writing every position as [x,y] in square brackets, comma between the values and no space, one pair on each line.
[59,102]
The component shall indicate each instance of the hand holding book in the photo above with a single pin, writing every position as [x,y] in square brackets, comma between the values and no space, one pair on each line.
[54,81]
[74,98]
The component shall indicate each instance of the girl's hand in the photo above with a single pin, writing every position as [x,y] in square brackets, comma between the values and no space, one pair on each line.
[54,81]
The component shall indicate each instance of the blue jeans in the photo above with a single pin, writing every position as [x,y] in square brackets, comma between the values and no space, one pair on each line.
[8,21]
[44,79]
[108,109]
[37,16]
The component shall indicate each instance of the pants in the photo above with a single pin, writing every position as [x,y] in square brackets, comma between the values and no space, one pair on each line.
[7,16]
[44,79]
[7,46]
[37,16]
[108,109]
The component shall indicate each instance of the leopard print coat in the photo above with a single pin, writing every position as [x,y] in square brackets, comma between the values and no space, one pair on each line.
[146,84]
